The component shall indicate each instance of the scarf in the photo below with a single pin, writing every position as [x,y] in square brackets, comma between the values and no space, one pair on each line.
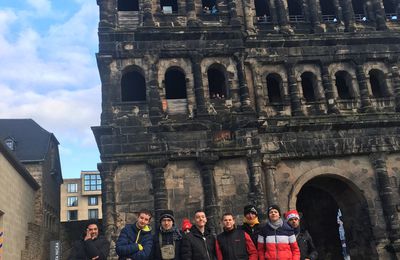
[251,222]
[277,224]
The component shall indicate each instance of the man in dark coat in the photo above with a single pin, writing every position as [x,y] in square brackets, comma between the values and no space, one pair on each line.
[167,241]
[199,244]
[233,243]
[135,241]
[304,240]
[92,246]
[251,225]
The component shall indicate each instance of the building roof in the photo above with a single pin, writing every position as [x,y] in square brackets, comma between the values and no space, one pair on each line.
[31,140]
[18,166]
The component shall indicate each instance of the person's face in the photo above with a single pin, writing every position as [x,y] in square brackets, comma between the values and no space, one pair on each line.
[166,223]
[294,222]
[273,215]
[250,216]
[93,231]
[200,219]
[228,222]
[143,220]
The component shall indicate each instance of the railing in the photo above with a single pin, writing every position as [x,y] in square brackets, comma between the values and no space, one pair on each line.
[392,17]
[296,18]
[360,18]
[329,18]
[263,19]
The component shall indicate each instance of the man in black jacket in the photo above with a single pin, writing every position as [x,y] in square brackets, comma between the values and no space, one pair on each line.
[92,246]
[251,225]
[304,240]
[199,244]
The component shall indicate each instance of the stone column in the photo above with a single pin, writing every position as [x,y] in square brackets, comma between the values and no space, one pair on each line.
[256,195]
[157,166]
[198,83]
[396,86]
[243,89]
[366,105]
[212,210]
[315,17]
[283,16]
[294,93]
[388,200]
[107,17]
[348,15]
[330,97]
[192,20]
[107,173]
[155,105]
[380,17]
[148,19]
[249,14]
[233,17]
[269,166]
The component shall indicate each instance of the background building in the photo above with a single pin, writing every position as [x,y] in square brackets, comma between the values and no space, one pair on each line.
[37,150]
[81,198]
[292,102]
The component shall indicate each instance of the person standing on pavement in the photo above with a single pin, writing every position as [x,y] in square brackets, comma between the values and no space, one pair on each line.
[304,240]
[251,225]
[233,243]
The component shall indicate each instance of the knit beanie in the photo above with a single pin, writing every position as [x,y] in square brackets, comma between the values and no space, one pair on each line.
[250,209]
[167,214]
[292,214]
[186,224]
[276,207]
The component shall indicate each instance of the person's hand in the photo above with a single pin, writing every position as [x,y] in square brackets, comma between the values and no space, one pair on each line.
[96,257]
[307,259]
[140,247]
[88,236]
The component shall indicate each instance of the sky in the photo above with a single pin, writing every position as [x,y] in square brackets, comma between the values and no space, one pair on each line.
[48,73]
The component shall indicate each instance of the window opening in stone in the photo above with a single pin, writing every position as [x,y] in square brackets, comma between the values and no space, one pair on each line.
[328,10]
[10,143]
[128,5]
[390,9]
[175,84]
[274,83]
[216,83]
[262,10]
[133,87]
[343,84]
[358,8]
[169,6]
[294,7]
[308,84]
[208,5]
[378,83]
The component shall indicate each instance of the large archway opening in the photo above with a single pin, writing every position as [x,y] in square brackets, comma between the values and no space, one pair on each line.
[319,202]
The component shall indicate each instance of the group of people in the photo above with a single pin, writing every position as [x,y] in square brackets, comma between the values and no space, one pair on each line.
[279,239]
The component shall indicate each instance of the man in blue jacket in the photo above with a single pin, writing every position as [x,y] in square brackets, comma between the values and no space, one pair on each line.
[135,241]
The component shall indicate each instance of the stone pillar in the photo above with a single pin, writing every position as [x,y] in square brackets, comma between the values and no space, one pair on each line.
[243,89]
[155,105]
[388,200]
[330,97]
[107,17]
[192,20]
[366,105]
[107,173]
[233,17]
[157,166]
[380,17]
[256,195]
[294,93]
[315,17]
[148,19]
[269,166]
[348,15]
[249,15]
[396,86]
[283,16]
[198,83]
[212,210]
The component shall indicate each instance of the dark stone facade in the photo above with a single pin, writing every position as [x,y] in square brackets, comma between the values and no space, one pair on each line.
[288,102]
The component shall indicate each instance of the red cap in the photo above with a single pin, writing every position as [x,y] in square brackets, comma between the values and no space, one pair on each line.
[186,224]
[292,214]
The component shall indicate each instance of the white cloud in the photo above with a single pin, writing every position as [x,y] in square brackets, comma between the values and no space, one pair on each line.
[42,7]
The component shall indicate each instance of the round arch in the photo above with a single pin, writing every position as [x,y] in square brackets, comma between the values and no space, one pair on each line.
[133,84]
[217,81]
[175,83]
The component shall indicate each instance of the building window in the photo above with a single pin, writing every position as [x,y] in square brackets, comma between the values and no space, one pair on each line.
[72,215]
[72,201]
[93,200]
[72,187]
[133,87]
[93,214]
[175,84]
[10,143]
[92,182]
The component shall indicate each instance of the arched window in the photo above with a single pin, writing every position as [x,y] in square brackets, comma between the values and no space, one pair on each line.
[262,8]
[343,85]
[308,84]
[133,86]
[378,83]
[294,7]
[169,6]
[175,84]
[216,81]
[274,85]
[128,5]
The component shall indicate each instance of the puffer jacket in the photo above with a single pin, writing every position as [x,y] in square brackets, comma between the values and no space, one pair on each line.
[198,246]
[131,236]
